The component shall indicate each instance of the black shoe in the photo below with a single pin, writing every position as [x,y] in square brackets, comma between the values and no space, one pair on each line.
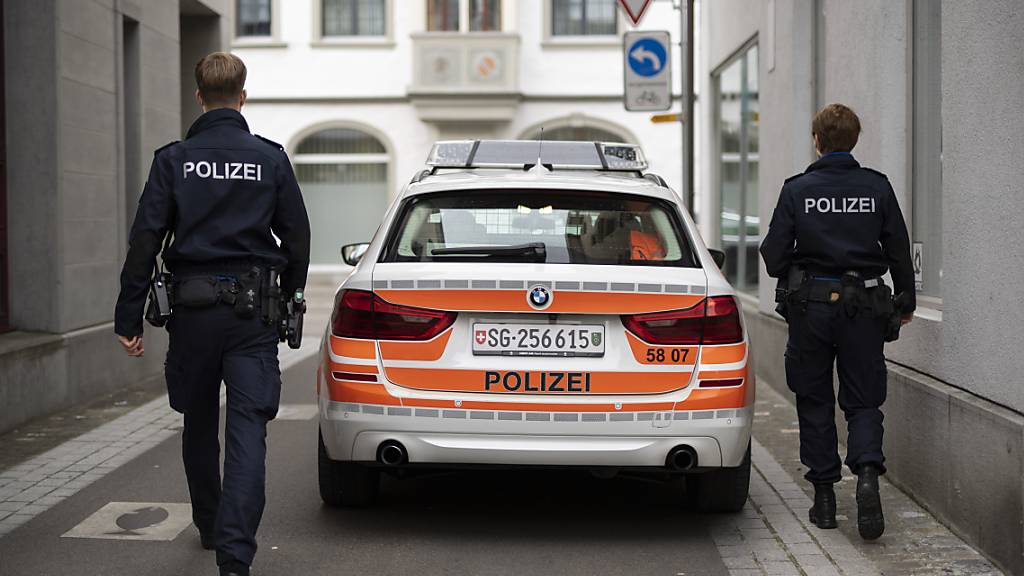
[236,570]
[870,522]
[823,513]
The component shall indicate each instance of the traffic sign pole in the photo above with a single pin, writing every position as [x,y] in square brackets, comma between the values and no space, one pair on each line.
[686,43]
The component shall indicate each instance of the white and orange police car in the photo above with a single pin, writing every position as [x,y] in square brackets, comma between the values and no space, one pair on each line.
[536,305]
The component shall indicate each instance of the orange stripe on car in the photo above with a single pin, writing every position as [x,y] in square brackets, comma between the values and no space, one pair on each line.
[536,407]
[428,351]
[363,393]
[727,354]
[564,302]
[722,374]
[354,368]
[707,399]
[351,348]
[599,382]
[360,393]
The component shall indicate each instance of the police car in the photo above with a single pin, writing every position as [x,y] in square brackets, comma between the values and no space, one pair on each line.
[529,304]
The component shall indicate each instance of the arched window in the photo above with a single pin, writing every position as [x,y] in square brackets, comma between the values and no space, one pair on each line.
[576,133]
[343,173]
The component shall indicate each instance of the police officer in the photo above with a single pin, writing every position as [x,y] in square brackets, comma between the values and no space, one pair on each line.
[221,195]
[836,231]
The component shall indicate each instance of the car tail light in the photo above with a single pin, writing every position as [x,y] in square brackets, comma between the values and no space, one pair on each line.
[714,320]
[674,327]
[722,321]
[362,314]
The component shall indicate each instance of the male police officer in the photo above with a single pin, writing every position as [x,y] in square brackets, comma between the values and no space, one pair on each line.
[219,194]
[836,230]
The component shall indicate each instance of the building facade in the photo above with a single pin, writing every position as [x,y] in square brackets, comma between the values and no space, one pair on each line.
[938,87]
[357,91]
[90,89]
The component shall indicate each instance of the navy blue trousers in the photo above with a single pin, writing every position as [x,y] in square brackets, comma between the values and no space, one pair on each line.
[820,337]
[208,345]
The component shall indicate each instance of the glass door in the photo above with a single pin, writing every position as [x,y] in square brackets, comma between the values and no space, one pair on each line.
[738,145]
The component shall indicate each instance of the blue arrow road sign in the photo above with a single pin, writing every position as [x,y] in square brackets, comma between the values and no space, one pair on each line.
[647,70]
[647,57]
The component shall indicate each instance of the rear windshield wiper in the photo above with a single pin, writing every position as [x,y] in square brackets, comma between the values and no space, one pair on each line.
[531,251]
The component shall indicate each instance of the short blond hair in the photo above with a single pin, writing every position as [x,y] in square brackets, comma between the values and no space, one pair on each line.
[837,128]
[220,78]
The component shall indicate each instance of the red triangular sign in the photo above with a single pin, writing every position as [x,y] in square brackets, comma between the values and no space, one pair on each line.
[635,9]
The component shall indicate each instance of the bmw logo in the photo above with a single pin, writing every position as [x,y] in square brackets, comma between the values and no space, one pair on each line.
[539,297]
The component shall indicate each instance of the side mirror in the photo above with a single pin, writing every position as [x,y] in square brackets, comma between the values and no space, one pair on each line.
[353,253]
[718,256]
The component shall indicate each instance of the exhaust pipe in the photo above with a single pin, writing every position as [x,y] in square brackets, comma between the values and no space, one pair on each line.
[681,458]
[392,453]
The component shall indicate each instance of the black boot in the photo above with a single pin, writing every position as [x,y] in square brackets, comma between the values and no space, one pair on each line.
[234,569]
[206,540]
[823,513]
[870,522]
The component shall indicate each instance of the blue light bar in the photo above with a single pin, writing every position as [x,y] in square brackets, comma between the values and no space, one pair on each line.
[606,156]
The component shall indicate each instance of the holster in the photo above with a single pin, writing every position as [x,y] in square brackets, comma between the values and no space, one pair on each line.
[158,308]
[296,309]
[789,289]
[892,332]
[270,302]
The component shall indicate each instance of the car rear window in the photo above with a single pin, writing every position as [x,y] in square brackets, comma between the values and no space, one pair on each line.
[574,228]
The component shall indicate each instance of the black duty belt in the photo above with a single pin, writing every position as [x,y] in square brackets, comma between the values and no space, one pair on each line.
[203,286]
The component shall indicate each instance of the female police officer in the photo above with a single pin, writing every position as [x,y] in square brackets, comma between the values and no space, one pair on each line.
[836,230]
[219,194]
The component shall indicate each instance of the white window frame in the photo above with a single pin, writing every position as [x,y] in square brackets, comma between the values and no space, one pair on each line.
[272,41]
[464,19]
[386,40]
[588,41]
[924,301]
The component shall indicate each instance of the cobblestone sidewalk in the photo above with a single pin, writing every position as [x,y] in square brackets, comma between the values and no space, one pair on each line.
[774,536]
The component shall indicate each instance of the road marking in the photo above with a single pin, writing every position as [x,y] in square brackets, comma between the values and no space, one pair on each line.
[42,482]
[134,521]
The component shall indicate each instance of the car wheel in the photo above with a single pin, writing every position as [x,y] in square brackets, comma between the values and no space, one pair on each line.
[345,483]
[723,490]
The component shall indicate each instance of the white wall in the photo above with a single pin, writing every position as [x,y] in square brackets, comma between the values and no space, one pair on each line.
[298,85]
[966,339]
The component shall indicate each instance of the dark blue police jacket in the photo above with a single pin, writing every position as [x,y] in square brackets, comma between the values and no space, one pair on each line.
[224,194]
[839,216]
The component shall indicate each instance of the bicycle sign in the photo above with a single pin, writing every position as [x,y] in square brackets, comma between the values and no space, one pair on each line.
[647,71]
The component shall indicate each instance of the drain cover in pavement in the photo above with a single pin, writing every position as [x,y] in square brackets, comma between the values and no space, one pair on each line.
[134,521]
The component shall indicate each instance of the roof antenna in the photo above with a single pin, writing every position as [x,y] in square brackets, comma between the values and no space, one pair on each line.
[540,154]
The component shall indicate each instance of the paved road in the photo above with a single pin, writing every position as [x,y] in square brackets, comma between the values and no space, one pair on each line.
[456,523]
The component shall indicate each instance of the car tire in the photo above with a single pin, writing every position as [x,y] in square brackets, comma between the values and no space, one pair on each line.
[345,484]
[723,490]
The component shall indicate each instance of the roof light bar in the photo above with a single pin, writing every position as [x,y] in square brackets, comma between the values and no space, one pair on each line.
[608,156]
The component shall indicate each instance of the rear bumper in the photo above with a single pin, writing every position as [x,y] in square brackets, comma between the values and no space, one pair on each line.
[353,432]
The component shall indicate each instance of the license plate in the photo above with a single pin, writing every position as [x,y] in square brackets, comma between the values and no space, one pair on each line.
[538,340]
